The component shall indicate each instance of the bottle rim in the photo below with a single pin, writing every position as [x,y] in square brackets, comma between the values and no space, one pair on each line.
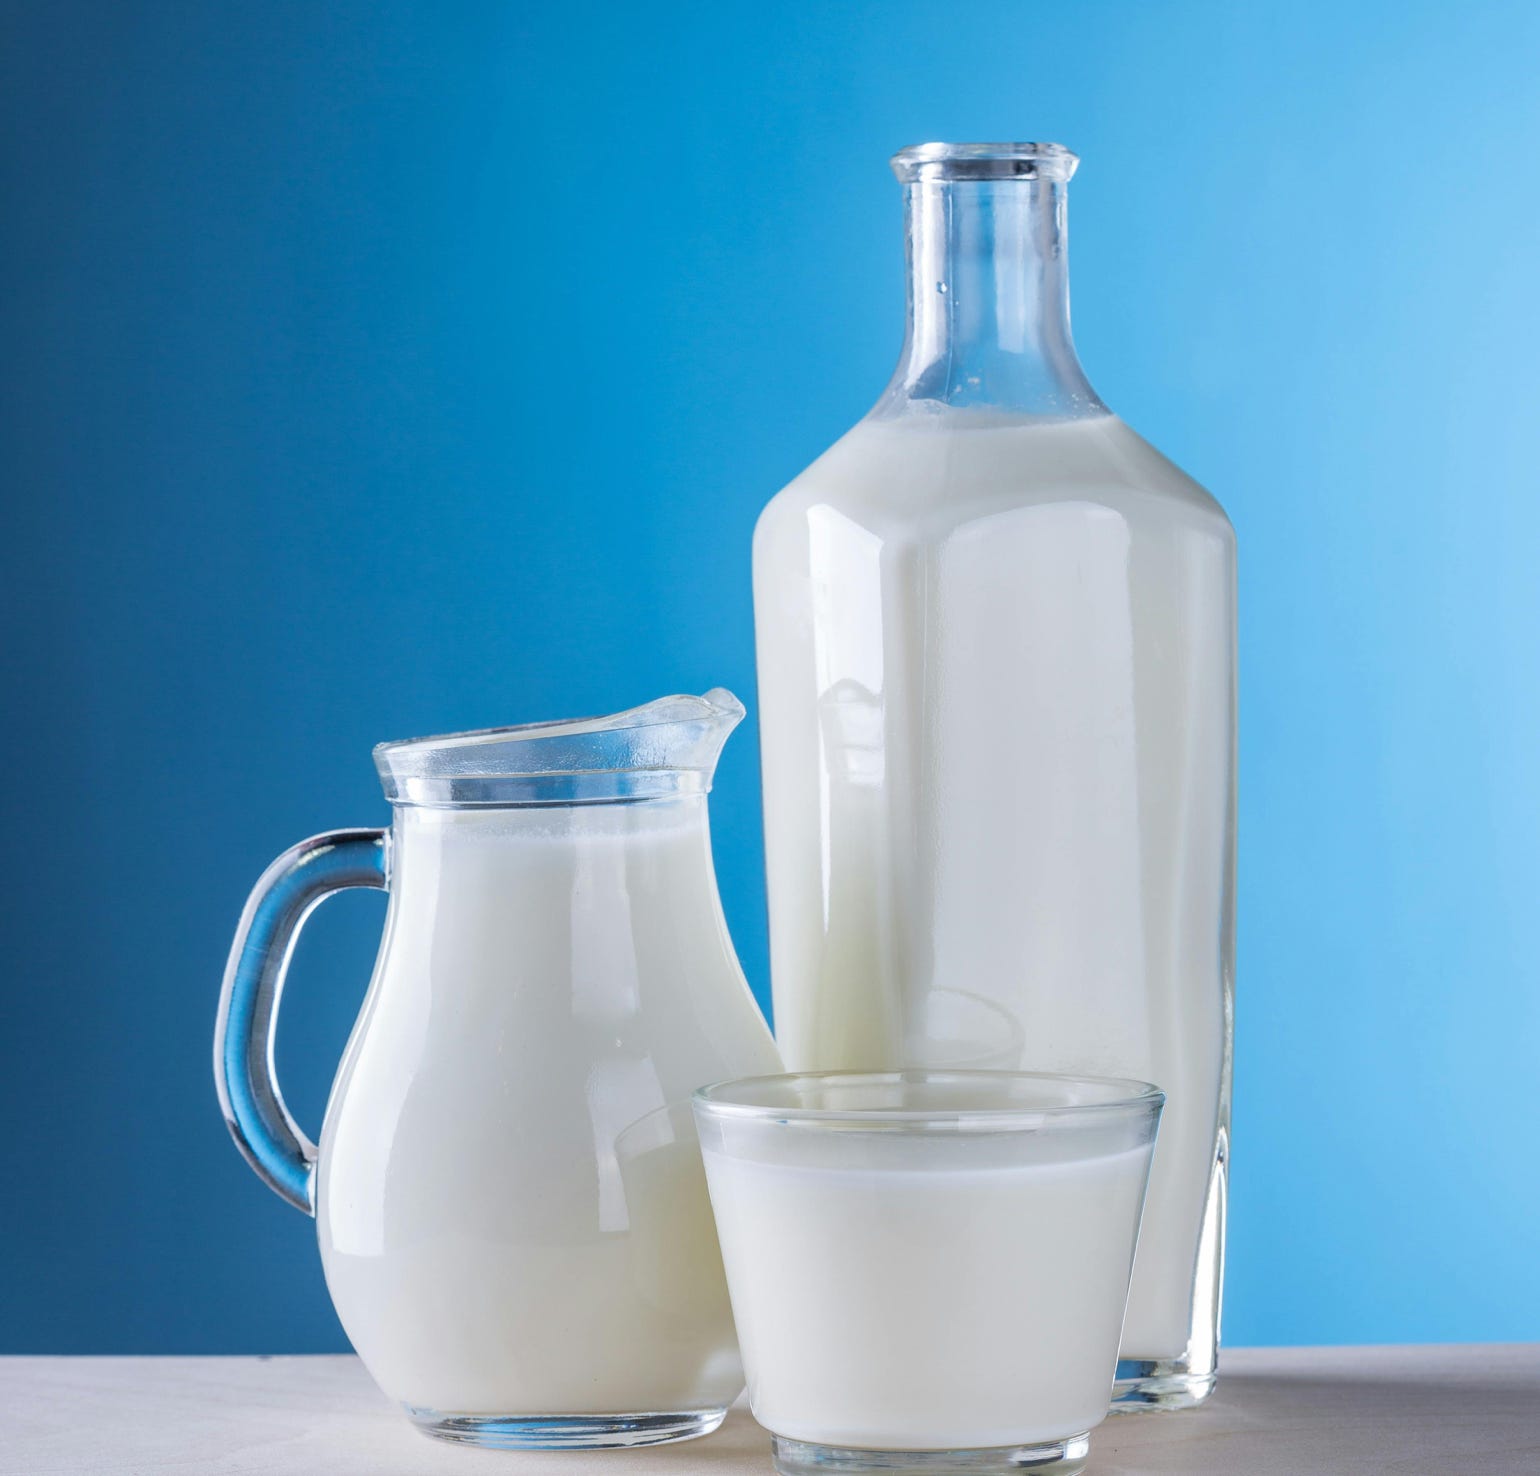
[984,161]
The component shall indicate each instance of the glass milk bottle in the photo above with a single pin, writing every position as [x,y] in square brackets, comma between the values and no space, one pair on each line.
[996,646]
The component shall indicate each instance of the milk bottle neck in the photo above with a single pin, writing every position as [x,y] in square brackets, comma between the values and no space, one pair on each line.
[988,291]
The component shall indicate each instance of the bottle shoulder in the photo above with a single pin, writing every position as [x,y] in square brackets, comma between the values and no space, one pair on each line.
[1144,459]
[934,474]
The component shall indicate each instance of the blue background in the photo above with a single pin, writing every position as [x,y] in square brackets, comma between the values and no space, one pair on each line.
[372,369]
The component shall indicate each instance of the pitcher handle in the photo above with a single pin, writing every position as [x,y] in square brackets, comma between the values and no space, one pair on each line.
[286,894]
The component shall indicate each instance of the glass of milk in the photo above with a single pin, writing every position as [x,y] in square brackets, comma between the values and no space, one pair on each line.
[928,1269]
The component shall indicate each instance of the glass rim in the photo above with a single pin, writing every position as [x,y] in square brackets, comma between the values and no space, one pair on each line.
[1120,1095]
[982,161]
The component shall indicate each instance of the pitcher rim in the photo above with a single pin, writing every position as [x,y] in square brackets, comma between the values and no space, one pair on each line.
[661,749]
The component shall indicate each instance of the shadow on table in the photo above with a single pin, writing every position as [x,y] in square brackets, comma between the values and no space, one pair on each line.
[1300,1425]
[739,1444]
[1257,1424]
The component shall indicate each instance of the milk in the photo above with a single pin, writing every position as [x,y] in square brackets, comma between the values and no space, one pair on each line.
[912,1305]
[512,1213]
[996,703]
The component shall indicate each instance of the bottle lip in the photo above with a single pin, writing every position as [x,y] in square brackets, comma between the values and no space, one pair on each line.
[982,161]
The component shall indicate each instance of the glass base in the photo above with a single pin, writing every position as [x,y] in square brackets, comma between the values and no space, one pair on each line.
[1158,1383]
[803,1458]
[565,1432]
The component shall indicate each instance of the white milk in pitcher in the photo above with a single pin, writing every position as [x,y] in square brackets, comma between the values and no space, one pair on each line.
[512,1211]
[996,697]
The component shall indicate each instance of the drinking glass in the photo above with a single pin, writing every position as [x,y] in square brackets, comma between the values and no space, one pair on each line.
[928,1269]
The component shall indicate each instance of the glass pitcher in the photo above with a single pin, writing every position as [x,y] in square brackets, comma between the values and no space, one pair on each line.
[508,1194]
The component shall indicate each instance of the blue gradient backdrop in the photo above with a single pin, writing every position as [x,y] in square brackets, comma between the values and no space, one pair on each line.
[372,369]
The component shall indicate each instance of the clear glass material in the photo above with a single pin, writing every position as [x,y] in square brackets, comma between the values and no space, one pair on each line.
[996,646]
[509,1198]
[661,749]
[988,282]
[928,1269]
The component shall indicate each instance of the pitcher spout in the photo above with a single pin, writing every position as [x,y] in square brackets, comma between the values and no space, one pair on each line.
[691,731]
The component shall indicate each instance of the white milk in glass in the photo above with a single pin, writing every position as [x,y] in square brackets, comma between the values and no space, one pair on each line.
[996,705]
[920,1306]
[511,1216]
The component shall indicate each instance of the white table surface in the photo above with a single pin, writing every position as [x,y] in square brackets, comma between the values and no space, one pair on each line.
[1277,1412]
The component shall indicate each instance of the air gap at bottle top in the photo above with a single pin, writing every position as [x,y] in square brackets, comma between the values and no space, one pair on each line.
[996,646]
